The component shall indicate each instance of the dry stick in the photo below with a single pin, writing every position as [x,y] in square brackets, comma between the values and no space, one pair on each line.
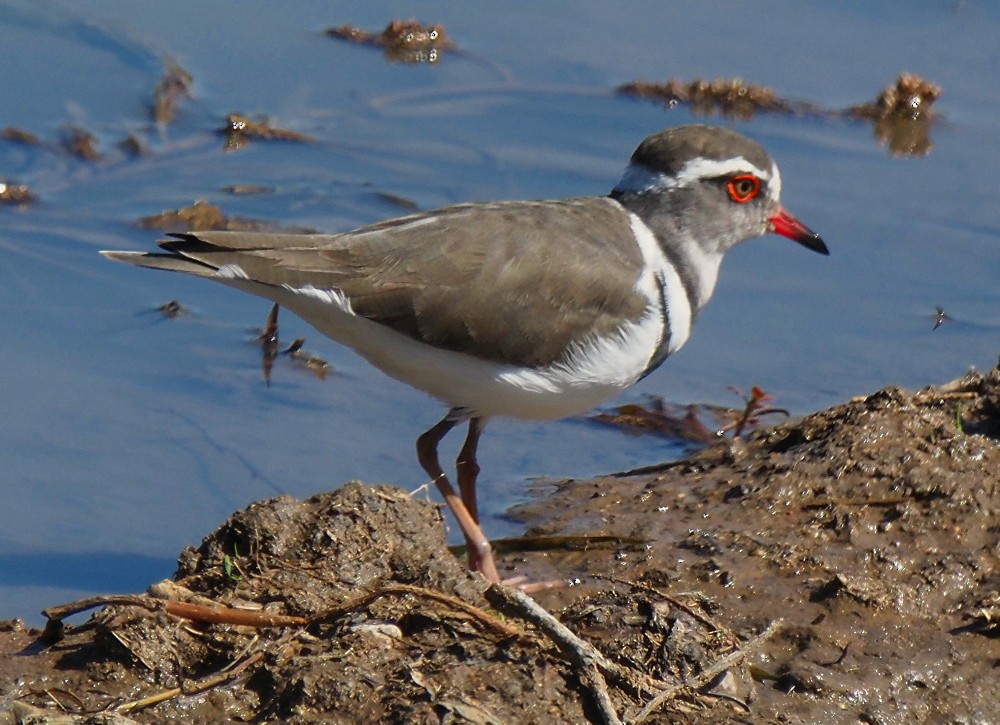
[62,611]
[700,617]
[709,674]
[25,713]
[479,614]
[229,615]
[201,685]
[579,652]
[195,612]
[634,680]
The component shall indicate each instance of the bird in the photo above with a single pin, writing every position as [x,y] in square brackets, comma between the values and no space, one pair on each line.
[535,310]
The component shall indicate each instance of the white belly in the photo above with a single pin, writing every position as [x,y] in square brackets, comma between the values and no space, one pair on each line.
[593,373]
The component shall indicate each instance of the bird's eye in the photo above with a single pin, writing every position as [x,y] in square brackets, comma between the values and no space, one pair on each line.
[743,188]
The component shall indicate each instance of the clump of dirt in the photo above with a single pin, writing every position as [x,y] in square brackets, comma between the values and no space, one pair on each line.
[843,568]
[347,607]
[870,528]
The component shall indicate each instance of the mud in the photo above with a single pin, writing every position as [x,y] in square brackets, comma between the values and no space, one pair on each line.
[841,568]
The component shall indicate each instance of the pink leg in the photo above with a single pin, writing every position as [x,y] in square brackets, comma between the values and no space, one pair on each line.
[480,554]
[468,468]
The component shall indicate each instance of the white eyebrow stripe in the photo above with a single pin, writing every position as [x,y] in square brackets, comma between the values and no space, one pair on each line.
[775,182]
[638,178]
[710,168]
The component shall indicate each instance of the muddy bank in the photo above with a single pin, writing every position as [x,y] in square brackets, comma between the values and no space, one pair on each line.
[843,568]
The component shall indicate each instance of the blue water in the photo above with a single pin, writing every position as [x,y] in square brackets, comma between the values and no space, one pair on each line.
[125,436]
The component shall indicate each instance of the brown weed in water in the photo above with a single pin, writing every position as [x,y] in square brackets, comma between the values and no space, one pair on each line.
[396,200]
[902,114]
[239,129]
[81,143]
[659,418]
[173,86]
[732,98]
[247,189]
[682,421]
[134,146]
[316,365]
[10,133]
[940,317]
[15,194]
[172,310]
[202,216]
[269,342]
[403,41]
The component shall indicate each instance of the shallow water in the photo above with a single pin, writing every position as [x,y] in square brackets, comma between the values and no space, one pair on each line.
[126,436]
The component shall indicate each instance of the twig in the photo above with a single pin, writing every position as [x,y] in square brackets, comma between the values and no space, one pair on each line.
[185,610]
[578,651]
[25,713]
[230,615]
[201,685]
[700,617]
[708,674]
[62,611]
[475,612]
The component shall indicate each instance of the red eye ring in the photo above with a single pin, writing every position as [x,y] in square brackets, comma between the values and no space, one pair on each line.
[743,188]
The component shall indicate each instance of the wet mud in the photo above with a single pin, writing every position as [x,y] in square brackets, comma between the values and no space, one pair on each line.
[840,568]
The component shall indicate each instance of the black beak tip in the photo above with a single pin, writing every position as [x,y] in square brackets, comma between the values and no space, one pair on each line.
[816,243]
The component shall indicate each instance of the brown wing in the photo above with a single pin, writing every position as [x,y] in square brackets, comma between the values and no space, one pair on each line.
[513,282]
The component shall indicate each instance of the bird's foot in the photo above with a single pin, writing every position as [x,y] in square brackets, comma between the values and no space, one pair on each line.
[523,584]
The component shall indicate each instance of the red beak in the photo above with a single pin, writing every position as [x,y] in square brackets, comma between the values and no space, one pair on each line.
[786,225]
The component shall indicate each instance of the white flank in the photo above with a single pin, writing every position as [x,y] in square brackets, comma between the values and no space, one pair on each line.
[231,271]
[600,366]
[333,297]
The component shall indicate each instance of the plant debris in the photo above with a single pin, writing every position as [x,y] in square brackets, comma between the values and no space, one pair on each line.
[202,216]
[173,86]
[132,145]
[172,310]
[80,143]
[14,194]
[239,129]
[682,422]
[10,133]
[940,317]
[398,201]
[902,114]
[316,365]
[269,342]
[910,97]
[247,189]
[731,98]
[403,41]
